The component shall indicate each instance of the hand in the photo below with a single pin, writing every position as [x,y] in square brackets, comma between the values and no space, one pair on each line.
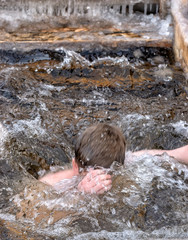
[96,181]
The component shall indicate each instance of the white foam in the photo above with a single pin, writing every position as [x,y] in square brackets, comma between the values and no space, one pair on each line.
[181,127]
[131,234]
[165,27]
[128,122]
[72,59]
[47,89]
[138,171]
[109,61]
[3,137]
[53,88]
[126,234]
[7,217]
[163,72]
[30,127]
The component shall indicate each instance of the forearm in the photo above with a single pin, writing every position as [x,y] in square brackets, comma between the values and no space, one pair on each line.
[181,154]
[152,152]
[53,178]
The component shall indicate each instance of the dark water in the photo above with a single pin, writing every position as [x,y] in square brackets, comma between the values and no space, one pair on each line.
[47,97]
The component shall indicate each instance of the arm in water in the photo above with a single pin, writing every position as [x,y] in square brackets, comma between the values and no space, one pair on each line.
[99,182]
[181,154]
[53,178]
[95,181]
[102,182]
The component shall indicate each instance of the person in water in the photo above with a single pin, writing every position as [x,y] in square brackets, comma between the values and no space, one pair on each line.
[96,149]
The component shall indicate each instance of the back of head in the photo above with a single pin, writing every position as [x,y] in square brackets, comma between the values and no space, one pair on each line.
[100,145]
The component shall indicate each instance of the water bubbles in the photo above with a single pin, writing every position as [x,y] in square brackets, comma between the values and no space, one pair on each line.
[71,59]
[7,217]
[130,120]
[30,127]
[181,127]
[156,164]
[113,211]
[133,199]
[164,73]
[3,136]
[158,60]
[137,53]
[94,102]
[137,176]
[129,224]
[168,79]
[166,28]
[49,70]
[52,87]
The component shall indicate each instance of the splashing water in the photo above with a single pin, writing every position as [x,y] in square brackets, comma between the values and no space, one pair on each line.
[181,127]
[49,96]
[134,188]
[3,137]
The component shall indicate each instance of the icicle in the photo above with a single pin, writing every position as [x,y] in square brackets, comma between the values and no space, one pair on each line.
[94,10]
[116,9]
[76,9]
[82,9]
[123,10]
[130,9]
[157,8]
[68,8]
[150,7]
[103,9]
[145,8]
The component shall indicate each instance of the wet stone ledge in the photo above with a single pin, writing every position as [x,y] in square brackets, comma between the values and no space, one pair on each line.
[83,25]
[132,54]
[179,12]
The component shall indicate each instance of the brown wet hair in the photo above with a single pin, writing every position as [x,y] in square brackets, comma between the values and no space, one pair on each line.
[100,145]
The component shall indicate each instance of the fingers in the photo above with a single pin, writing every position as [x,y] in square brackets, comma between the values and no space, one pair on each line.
[96,178]
[96,181]
[102,187]
[96,172]
[98,188]
[103,177]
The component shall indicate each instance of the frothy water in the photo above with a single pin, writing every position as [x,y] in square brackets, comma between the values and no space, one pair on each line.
[136,186]
[49,96]
[144,177]
[181,127]
[30,127]
[3,136]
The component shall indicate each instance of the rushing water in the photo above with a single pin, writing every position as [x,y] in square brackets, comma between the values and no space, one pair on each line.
[52,96]
[49,95]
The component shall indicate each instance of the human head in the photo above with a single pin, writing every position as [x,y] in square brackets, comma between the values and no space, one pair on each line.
[100,145]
